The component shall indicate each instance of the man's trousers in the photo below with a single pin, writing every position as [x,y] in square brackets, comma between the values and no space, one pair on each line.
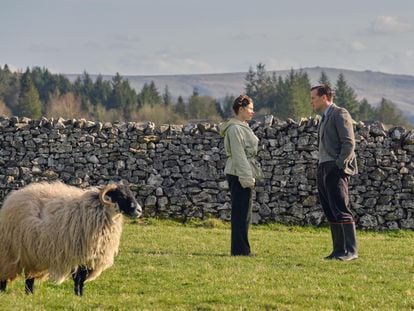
[333,186]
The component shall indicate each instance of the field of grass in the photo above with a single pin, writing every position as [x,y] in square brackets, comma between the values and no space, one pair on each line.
[166,265]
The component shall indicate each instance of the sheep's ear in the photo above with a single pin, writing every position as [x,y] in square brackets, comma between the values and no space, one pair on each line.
[103,193]
[124,185]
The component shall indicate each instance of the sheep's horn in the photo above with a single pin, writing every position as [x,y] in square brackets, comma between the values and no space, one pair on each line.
[104,191]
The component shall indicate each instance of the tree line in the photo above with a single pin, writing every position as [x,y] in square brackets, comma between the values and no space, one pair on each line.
[37,92]
[289,97]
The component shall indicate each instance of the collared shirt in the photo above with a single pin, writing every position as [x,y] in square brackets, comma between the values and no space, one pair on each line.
[325,113]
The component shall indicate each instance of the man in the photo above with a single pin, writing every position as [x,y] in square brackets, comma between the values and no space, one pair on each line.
[337,162]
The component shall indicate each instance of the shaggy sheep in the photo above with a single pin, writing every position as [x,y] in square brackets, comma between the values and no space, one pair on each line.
[52,230]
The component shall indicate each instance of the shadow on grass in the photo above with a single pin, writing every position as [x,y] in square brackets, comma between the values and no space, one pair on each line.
[163,253]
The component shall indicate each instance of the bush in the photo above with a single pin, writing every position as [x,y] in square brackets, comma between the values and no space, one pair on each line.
[158,114]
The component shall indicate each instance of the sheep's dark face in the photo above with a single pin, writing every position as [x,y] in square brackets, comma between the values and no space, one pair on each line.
[125,199]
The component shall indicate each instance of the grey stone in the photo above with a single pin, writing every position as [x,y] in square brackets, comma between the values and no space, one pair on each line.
[162,202]
[378,174]
[407,223]
[268,120]
[315,218]
[159,192]
[409,138]
[368,221]
[397,133]
[264,210]
[151,200]
[310,201]
[155,180]
[13,171]
[93,159]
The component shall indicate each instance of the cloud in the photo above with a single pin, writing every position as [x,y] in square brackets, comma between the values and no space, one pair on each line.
[243,36]
[281,63]
[164,64]
[339,46]
[398,62]
[388,25]
[409,53]
[42,48]
[123,41]
[357,46]
[120,42]
[93,45]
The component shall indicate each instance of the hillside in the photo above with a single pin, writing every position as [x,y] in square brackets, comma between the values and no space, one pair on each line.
[371,85]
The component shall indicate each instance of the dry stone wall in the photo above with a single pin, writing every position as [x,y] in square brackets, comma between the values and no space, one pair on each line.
[177,170]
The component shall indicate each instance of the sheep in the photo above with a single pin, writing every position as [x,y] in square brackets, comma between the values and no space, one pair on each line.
[52,230]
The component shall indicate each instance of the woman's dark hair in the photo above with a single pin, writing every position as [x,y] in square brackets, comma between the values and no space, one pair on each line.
[323,89]
[241,101]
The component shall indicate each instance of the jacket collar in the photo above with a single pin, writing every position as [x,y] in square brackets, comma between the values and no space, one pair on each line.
[331,108]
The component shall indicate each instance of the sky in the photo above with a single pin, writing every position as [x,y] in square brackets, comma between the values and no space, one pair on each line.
[158,37]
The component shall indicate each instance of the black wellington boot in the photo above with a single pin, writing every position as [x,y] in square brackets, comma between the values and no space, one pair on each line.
[350,242]
[338,242]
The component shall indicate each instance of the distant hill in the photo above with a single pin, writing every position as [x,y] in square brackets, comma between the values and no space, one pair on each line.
[371,85]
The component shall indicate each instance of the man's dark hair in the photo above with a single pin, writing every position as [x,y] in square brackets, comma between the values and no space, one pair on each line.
[323,89]
[241,101]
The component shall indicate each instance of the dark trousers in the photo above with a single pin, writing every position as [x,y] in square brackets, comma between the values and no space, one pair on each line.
[241,209]
[333,186]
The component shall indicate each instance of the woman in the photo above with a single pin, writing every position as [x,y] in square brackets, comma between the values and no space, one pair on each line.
[241,171]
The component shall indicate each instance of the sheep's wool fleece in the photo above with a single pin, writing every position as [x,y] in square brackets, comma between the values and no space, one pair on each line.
[49,229]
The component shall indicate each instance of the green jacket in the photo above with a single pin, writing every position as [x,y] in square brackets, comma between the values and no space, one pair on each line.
[240,145]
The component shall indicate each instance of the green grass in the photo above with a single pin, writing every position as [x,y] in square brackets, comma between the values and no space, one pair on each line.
[165,265]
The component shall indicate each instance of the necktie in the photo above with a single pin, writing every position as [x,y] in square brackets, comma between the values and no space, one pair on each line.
[320,126]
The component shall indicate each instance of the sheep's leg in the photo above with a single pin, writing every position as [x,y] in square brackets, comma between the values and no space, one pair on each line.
[79,277]
[3,285]
[29,286]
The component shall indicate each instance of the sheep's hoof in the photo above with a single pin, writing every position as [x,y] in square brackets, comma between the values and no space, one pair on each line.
[79,277]
[78,292]
[28,287]
[3,285]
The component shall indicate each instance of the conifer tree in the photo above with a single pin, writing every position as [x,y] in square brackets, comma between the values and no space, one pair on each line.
[388,113]
[279,102]
[49,84]
[83,88]
[345,96]
[258,86]
[166,96]
[202,107]
[9,87]
[29,104]
[228,102]
[123,96]
[116,99]
[366,112]
[250,83]
[101,91]
[180,107]
[300,95]
[149,95]
[324,79]
[291,99]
